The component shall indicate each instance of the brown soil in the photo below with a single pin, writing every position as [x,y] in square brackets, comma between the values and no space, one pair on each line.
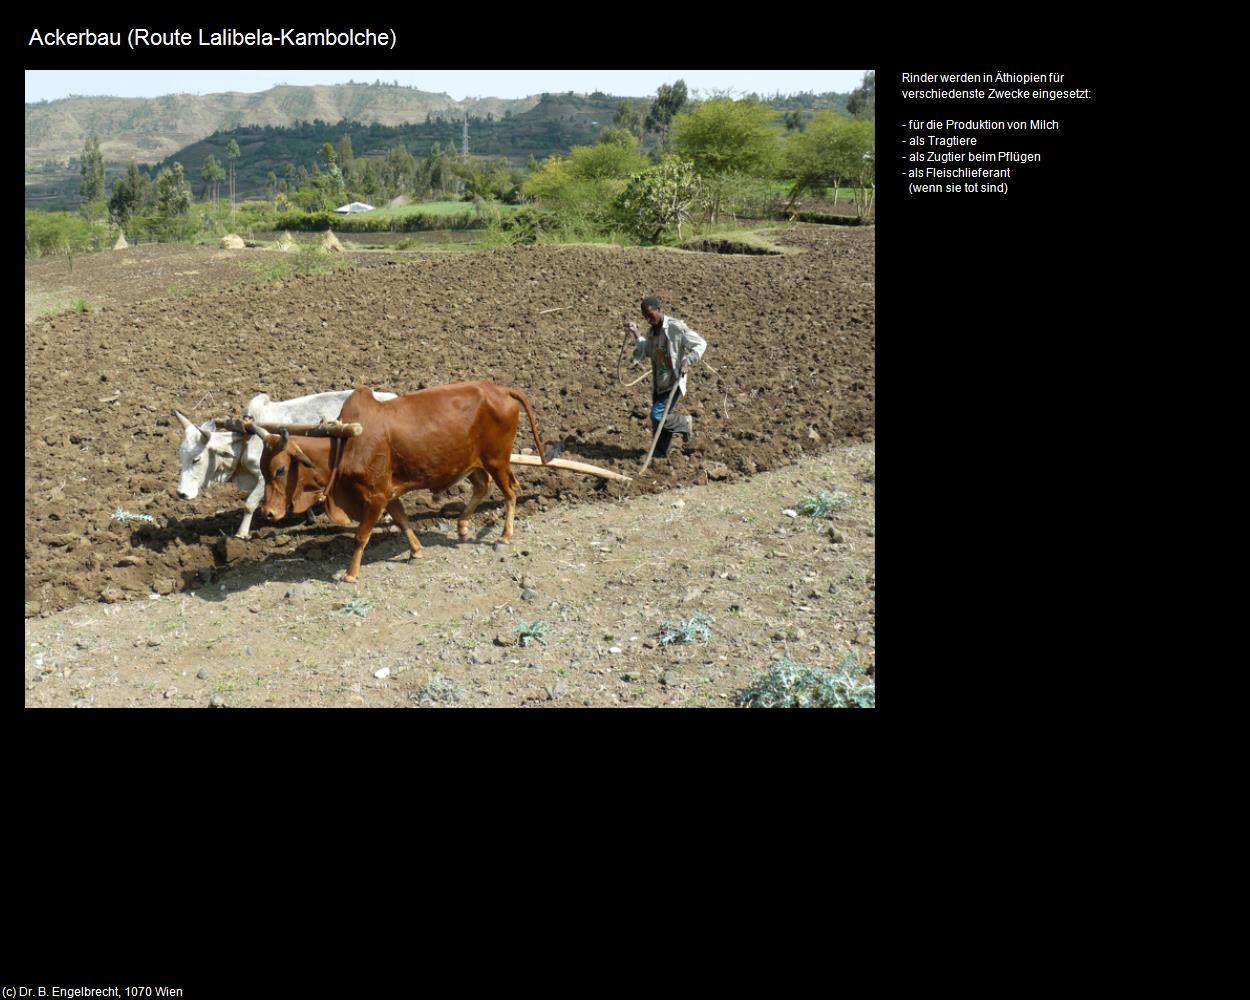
[791,339]
[442,630]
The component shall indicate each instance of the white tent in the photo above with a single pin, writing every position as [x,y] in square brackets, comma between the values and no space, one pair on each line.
[355,206]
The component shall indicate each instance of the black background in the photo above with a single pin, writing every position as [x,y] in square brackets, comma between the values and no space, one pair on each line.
[989,316]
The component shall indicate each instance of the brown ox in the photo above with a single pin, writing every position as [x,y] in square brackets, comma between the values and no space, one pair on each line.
[422,440]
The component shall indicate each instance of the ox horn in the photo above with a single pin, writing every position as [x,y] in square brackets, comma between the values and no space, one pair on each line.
[298,452]
[187,423]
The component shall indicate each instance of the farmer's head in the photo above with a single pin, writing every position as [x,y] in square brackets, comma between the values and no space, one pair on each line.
[651,310]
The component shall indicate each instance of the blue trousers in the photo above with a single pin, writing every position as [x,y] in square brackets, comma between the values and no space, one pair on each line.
[673,423]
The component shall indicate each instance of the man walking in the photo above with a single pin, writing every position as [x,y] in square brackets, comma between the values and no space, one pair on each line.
[672,347]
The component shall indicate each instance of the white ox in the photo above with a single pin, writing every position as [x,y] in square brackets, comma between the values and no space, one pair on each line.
[209,456]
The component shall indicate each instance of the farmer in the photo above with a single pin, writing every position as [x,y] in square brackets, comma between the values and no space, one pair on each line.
[672,347]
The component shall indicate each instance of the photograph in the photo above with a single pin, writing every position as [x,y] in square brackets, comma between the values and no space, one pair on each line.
[467,389]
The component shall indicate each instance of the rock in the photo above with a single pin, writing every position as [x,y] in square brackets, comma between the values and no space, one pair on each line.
[154,641]
[382,674]
[679,503]
[111,595]
[836,536]
[130,560]
[82,642]
[615,649]
[812,434]
[300,591]
[164,585]
[505,639]
[716,470]
[789,512]
[669,679]
[202,674]
[527,583]
[171,692]
[217,701]
[529,595]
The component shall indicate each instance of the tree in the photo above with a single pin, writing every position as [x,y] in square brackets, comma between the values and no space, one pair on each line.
[232,154]
[833,150]
[173,202]
[628,117]
[668,103]
[661,196]
[863,100]
[723,137]
[130,195]
[213,175]
[618,136]
[91,186]
[345,152]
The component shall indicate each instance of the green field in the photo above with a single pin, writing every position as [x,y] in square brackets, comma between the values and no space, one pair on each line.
[431,208]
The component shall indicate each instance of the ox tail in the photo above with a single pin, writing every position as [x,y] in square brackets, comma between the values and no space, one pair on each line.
[333,510]
[519,396]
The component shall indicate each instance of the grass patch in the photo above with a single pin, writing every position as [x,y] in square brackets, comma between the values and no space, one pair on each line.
[786,684]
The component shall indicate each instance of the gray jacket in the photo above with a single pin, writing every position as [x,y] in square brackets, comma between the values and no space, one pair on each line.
[683,344]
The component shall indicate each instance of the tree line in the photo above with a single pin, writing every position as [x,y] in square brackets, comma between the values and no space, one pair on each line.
[658,165]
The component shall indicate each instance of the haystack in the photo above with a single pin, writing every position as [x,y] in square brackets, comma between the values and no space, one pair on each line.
[121,243]
[286,242]
[232,242]
[330,243]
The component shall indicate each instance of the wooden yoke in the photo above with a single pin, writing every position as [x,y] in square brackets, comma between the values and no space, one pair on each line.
[327,428]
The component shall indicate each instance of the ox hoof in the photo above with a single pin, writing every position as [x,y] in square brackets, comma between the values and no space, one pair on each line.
[342,577]
[501,544]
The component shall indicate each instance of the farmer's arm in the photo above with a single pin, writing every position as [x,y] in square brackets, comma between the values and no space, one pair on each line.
[640,346]
[693,346]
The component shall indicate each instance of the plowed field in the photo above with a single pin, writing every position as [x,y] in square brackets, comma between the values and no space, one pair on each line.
[791,341]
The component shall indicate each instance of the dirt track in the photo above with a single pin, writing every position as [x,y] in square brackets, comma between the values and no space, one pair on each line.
[792,339]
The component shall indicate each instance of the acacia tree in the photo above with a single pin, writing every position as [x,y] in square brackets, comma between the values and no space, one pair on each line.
[831,150]
[724,138]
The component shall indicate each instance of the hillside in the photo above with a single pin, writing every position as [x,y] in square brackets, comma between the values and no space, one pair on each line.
[150,129]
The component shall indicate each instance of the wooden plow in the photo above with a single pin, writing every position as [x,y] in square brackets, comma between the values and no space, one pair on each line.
[335,429]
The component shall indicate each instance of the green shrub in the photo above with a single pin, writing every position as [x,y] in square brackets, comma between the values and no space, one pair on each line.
[786,684]
[533,630]
[439,690]
[49,233]
[823,503]
[694,627]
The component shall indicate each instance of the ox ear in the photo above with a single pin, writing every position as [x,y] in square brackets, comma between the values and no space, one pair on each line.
[272,440]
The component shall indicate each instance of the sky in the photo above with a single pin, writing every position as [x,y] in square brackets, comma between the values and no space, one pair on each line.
[458,84]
